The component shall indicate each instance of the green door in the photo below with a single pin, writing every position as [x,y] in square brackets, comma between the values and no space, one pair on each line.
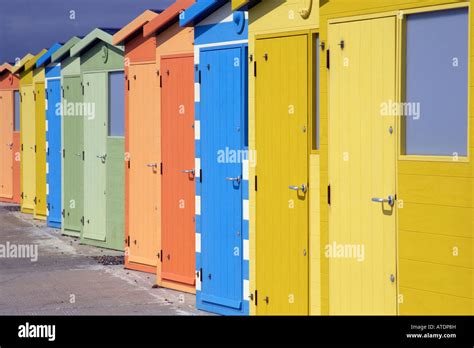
[95,148]
[73,203]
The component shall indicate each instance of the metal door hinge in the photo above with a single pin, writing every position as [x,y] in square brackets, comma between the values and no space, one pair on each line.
[83,155]
[328,59]
[161,81]
[82,221]
[199,76]
[161,255]
[34,95]
[128,163]
[200,175]
[329,194]
[200,274]
[128,241]
[64,153]
[256,297]
[256,183]
[82,86]
[21,195]
[62,91]
[34,200]
[63,213]
[35,148]
[255,68]
[21,147]
[46,93]
[128,84]
[161,168]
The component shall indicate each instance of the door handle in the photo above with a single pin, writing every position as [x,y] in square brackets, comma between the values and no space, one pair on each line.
[390,200]
[152,165]
[188,171]
[237,179]
[303,188]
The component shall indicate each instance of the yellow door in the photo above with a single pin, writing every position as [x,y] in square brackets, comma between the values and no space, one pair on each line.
[362,168]
[28,164]
[282,176]
[40,142]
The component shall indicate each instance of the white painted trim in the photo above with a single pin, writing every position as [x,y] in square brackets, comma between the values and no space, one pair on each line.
[197,130]
[198,242]
[198,205]
[245,209]
[246,250]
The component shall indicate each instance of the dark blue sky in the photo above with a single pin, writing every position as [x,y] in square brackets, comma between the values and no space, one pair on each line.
[27,26]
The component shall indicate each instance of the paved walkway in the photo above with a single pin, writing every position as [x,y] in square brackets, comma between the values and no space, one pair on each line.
[68,279]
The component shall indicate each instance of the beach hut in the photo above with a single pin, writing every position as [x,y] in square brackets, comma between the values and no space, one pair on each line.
[142,146]
[9,135]
[72,176]
[28,178]
[53,136]
[39,97]
[101,67]
[220,57]
[398,136]
[284,242]
[175,66]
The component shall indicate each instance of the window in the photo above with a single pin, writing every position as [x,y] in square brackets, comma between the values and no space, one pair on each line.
[436,91]
[16,125]
[116,104]
[315,79]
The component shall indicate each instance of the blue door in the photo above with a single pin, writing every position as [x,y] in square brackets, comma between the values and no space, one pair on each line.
[53,137]
[222,134]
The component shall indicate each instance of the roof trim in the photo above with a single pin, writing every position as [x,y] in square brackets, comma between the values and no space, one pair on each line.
[64,51]
[28,63]
[6,67]
[199,11]
[20,64]
[46,58]
[95,35]
[167,18]
[131,28]
[243,5]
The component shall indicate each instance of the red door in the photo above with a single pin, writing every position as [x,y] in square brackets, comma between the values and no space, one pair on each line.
[178,187]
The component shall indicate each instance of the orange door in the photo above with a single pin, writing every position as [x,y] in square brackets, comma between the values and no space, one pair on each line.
[144,161]
[178,188]
[6,144]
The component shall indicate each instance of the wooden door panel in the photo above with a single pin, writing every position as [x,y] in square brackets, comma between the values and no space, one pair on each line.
[282,151]
[178,187]
[144,151]
[362,159]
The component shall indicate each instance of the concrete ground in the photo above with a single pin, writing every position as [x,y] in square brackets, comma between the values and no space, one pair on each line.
[68,279]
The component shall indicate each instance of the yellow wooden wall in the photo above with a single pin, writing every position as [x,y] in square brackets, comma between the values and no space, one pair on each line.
[438,209]
[272,17]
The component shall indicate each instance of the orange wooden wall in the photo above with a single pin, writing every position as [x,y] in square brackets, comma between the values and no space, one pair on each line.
[10,82]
